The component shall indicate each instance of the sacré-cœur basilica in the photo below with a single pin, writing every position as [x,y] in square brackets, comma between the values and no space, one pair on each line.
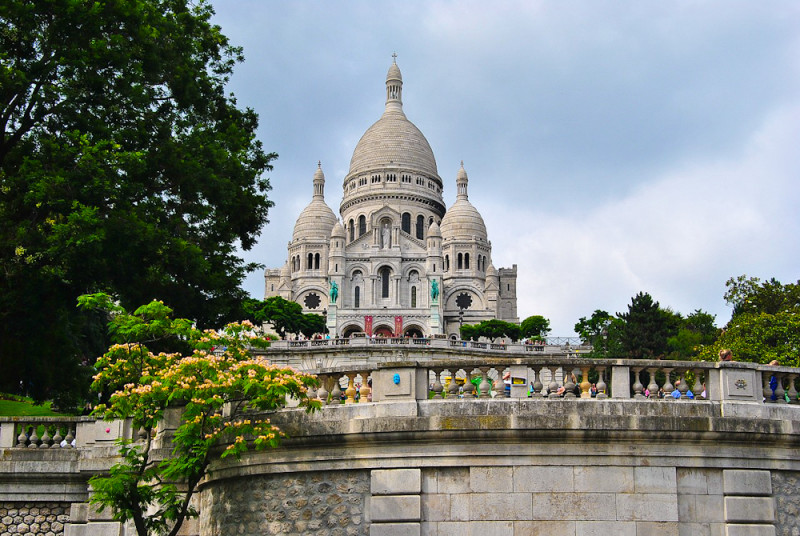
[399,263]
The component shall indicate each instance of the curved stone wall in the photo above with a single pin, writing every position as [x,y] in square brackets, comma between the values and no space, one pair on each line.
[518,467]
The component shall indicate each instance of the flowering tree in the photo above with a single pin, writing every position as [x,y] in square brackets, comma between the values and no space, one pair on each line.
[216,382]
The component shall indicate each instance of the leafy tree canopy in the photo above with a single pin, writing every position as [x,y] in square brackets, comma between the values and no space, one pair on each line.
[535,326]
[765,324]
[491,329]
[156,493]
[124,167]
[285,316]
[646,328]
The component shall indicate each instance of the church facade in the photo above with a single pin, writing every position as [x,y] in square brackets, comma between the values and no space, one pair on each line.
[399,262]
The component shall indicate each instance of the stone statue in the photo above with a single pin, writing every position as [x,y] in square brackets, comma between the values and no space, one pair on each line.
[334,291]
[434,289]
[386,236]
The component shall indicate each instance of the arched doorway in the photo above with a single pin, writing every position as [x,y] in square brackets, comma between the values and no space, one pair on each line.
[413,331]
[383,331]
[349,330]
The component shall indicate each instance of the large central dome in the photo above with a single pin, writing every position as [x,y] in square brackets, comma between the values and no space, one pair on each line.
[393,140]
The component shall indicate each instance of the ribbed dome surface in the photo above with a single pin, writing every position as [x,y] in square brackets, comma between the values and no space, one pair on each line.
[315,222]
[463,221]
[393,140]
[338,230]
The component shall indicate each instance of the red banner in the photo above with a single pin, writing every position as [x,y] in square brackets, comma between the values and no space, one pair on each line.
[398,326]
[368,325]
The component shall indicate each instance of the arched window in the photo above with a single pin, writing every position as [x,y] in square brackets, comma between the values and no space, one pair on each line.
[310,262]
[405,222]
[385,282]
[460,261]
[447,263]
[466,261]
[316,261]
[413,297]
[420,226]
[352,227]
[357,297]
[362,225]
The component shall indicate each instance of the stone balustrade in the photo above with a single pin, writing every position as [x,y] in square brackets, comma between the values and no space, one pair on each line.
[556,377]
[558,345]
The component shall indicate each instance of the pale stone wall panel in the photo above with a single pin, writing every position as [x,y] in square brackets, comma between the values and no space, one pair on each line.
[748,483]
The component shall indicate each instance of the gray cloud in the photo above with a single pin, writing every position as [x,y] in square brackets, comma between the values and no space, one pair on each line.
[611,147]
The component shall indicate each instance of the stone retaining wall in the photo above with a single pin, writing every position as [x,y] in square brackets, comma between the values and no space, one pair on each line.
[34,519]
[330,503]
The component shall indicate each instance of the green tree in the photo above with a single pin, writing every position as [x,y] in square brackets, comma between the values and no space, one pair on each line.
[765,324]
[491,329]
[535,326]
[155,491]
[312,324]
[594,331]
[695,333]
[284,315]
[646,328]
[124,167]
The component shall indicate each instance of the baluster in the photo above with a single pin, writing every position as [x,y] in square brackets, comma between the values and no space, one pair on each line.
[766,389]
[469,387]
[33,439]
[322,392]
[537,383]
[350,392]
[552,387]
[569,385]
[437,383]
[792,389]
[637,384]
[46,438]
[586,386]
[652,387]
[452,387]
[22,438]
[336,393]
[312,393]
[71,432]
[500,391]
[601,384]
[780,397]
[57,438]
[365,393]
[683,385]
[485,387]
[698,389]
[141,434]
[668,387]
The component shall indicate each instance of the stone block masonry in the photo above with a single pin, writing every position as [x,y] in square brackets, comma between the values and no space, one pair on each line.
[330,503]
[33,519]
[580,500]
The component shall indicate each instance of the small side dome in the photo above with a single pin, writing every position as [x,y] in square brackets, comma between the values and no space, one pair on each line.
[338,230]
[317,219]
[491,271]
[285,272]
[434,231]
[462,220]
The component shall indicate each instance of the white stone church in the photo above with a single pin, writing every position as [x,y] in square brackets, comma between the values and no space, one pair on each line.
[399,263]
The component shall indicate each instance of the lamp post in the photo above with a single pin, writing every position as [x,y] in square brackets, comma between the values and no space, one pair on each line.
[460,320]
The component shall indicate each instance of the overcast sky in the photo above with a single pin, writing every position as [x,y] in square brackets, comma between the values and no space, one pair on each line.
[611,147]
